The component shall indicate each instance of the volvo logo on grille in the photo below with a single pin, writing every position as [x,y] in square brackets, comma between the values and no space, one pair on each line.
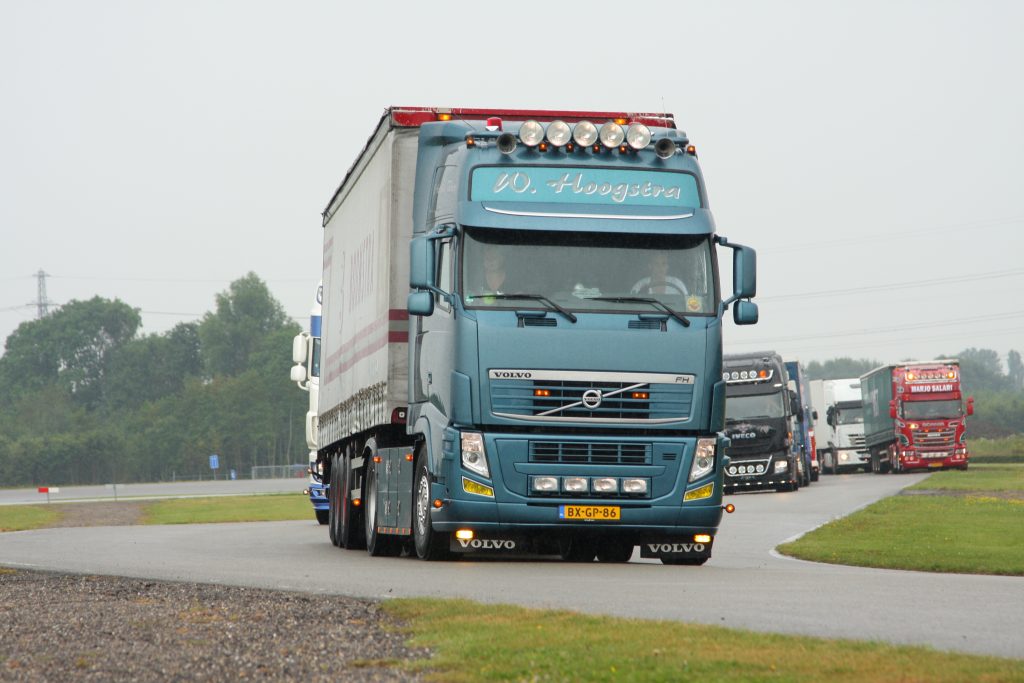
[511,374]
[592,398]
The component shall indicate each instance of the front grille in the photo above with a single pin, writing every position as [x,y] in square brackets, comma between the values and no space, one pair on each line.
[857,440]
[748,447]
[563,400]
[582,453]
[936,438]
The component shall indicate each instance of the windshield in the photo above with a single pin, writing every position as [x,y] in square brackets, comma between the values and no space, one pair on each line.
[748,407]
[850,416]
[574,269]
[932,410]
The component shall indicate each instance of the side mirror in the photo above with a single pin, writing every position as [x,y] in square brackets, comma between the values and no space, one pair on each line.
[744,273]
[420,303]
[892,409]
[814,415]
[298,374]
[744,313]
[299,350]
[970,405]
[830,416]
[421,265]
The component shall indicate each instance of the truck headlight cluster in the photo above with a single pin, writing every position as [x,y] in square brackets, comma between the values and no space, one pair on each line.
[584,134]
[703,459]
[781,466]
[598,486]
[473,456]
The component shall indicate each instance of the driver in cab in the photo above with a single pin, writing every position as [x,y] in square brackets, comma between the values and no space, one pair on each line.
[659,281]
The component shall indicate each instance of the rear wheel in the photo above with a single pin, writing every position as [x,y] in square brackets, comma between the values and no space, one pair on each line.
[351,534]
[614,551]
[377,544]
[333,510]
[429,543]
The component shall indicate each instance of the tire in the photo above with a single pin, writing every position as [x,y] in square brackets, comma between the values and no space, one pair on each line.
[685,561]
[614,551]
[377,544]
[576,549]
[815,474]
[429,544]
[833,461]
[351,533]
[333,491]
[322,516]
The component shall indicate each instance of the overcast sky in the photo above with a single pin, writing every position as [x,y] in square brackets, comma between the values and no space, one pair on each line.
[872,152]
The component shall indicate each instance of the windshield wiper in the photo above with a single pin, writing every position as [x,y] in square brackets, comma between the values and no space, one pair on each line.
[643,300]
[537,297]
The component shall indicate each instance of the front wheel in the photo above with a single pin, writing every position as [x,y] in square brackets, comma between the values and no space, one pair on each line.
[614,551]
[429,544]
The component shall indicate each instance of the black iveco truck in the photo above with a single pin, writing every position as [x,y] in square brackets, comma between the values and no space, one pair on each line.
[760,411]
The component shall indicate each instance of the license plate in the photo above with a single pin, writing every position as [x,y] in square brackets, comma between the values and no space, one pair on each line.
[935,464]
[602,513]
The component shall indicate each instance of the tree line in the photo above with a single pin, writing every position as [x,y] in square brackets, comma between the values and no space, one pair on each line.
[998,393]
[86,399]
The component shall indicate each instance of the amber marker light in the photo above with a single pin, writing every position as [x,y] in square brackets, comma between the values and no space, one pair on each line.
[730,508]
[376,458]
[438,503]
[570,147]
[541,392]
[444,117]
[357,502]
[691,150]
[408,457]
[702,538]
[597,149]
[543,147]
[642,395]
[464,534]
[470,141]
[621,121]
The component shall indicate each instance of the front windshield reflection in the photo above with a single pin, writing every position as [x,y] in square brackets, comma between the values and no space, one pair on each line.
[575,269]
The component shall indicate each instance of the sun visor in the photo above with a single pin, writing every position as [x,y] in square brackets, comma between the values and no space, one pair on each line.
[586,217]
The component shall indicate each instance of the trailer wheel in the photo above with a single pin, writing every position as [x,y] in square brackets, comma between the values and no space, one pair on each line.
[429,544]
[614,551]
[333,491]
[377,544]
[685,561]
[351,534]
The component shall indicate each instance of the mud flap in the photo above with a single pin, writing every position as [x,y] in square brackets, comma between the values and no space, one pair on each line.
[487,544]
[682,549]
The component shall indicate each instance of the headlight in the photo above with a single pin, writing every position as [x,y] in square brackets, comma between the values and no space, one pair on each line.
[531,133]
[634,486]
[559,133]
[612,134]
[544,484]
[781,466]
[473,456]
[606,485]
[703,459]
[843,457]
[575,484]
[638,136]
[584,134]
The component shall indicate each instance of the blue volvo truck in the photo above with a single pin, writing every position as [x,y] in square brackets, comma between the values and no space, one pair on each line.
[522,339]
[803,434]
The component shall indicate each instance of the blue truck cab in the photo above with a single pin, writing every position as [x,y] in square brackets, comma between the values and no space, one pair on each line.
[564,346]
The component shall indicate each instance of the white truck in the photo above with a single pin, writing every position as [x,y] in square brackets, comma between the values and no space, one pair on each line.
[306,373]
[839,425]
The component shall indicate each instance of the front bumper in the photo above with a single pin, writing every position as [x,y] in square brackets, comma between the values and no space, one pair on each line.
[925,460]
[318,495]
[851,458]
[757,472]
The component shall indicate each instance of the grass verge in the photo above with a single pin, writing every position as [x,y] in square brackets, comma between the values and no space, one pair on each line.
[262,508]
[970,527]
[25,517]
[473,642]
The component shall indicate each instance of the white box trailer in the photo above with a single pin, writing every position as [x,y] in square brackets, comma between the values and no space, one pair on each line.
[368,225]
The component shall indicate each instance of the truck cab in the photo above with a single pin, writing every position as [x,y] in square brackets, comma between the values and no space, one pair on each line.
[839,430]
[760,414]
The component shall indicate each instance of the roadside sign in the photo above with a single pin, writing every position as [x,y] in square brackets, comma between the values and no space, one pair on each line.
[214,462]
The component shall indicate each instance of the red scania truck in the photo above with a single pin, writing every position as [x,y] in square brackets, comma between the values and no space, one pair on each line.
[914,416]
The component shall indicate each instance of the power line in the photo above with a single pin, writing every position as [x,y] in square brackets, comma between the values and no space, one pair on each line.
[1014,272]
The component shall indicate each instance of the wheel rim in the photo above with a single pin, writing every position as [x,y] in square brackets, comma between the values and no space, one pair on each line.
[371,504]
[422,506]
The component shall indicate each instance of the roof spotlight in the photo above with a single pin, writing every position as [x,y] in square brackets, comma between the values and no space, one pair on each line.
[506,143]
[559,133]
[612,134]
[531,133]
[638,136]
[665,148]
[584,134]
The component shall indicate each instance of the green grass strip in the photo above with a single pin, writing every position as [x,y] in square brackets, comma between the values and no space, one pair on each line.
[25,517]
[973,534]
[260,508]
[1005,477]
[475,642]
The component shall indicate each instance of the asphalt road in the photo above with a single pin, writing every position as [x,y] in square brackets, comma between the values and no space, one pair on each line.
[220,487]
[744,585]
